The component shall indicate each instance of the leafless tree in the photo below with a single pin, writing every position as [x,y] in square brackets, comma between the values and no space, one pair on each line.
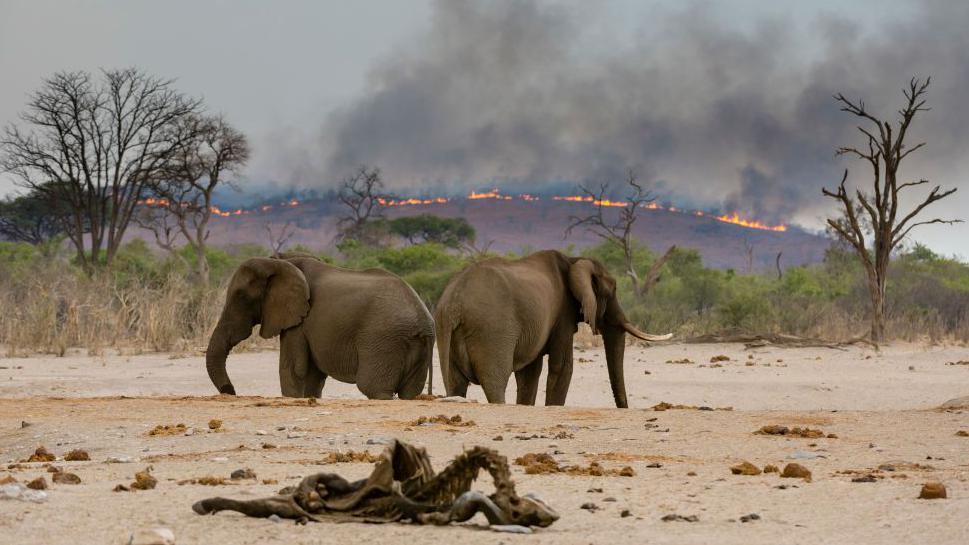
[94,145]
[182,204]
[278,239]
[619,230]
[363,194]
[875,216]
[749,255]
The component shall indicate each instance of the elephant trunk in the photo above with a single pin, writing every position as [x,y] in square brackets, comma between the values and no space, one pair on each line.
[223,339]
[614,341]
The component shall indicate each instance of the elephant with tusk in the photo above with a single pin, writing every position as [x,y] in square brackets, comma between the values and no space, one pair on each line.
[367,328]
[500,316]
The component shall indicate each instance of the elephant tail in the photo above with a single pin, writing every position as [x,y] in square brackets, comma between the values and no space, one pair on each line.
[427,353]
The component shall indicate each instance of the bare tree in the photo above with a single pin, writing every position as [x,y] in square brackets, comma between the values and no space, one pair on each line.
[94,146]
[278,239]
[363,194]
[749,255]
[618,231]
[182,204]
[877,214]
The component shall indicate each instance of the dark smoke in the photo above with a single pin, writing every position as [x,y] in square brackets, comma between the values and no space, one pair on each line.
[523,93]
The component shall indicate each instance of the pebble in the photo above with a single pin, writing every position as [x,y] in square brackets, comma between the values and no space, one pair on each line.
[378,441]
[750,517]
[932,490]
[151,536]
[274,518]
[295,435]
[39,483]
[609,498]
[796,471]
[625,513]
[261,432]
[190,431]
[65,478]
[589,506]
[242,474]
[745,468]
[680,518]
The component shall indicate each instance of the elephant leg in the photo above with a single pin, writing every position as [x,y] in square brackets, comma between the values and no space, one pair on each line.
[493,365]
[559,371]
[295,364]
[313,384]
[378,371]
[527,380]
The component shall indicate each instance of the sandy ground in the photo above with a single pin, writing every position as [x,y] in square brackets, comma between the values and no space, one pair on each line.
[879,405]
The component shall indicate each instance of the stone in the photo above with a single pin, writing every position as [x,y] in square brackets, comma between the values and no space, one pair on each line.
[796,471]
[589,506]
[261,432]
[932,490]
[77,455]
[215,424]
[625,513]
[745,468]
[771,468]
[240,474]
[39,483]
[750,517]
[65,478]
[41,455]
[151,536]
[864,479]
[672,517]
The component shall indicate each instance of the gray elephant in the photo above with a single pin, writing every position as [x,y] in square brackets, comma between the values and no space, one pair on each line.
[367,328]
[499,317]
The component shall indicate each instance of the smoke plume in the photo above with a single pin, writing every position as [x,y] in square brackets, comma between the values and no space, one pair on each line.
[523,93]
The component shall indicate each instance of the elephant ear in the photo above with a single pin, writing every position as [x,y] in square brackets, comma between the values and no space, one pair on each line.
[580,282]
[285,295]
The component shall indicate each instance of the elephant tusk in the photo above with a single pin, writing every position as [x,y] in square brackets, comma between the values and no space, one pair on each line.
[631,329]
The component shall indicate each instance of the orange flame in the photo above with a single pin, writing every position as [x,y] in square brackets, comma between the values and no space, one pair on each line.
[495,194]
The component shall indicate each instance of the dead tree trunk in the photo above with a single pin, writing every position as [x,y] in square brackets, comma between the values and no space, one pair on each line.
[874,217]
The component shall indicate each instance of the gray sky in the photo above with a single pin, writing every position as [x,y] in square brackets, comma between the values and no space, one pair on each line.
[303,78]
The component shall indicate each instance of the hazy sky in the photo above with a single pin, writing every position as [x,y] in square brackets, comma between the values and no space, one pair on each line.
[459,94]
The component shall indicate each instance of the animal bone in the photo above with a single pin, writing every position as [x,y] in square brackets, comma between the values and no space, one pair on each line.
[403,486]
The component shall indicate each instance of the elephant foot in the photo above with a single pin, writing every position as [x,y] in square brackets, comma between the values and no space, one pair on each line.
[228,389]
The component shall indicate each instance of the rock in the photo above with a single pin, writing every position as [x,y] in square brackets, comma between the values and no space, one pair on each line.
[39,483]
[295,435]
[25,424]
[240,474]
[864,479]
[261,432]
[750,517]
[8,479]
[41,455]
[589,506]
[932,490]
[66,478]
[274,518]
[691,473]
[77,455]
[497,438]
[625,513]
[215,424]
[680,518]
[594,491]
[268,445]
[220,459]
[654,465]
[151,536]
[189,432]
[144,480]
[745,468]
[957,403]
[378,441]
[627,472]
[771,468]
[719,358]
[17,491]
[796,471]
[609,499]
[962,433]
[510,529]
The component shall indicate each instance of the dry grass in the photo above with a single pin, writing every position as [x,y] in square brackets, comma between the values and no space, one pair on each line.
[53,310]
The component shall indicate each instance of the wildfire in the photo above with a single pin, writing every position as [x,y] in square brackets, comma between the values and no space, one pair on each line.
[495,194]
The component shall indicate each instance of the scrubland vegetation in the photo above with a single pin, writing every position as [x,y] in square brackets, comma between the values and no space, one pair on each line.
[153,301]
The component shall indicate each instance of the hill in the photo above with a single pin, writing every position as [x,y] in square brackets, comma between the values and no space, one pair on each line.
[518,224]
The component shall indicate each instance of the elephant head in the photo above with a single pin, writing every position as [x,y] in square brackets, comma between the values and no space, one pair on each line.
[270,292]
[595,290]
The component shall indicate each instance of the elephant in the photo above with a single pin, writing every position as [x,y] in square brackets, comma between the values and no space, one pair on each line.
[501,316]
[368,328]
